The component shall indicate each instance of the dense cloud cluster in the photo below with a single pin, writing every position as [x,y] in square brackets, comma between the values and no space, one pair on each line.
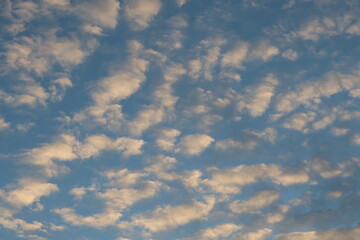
[181,119]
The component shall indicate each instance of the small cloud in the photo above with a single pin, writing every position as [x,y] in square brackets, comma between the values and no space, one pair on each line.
[290,54]
[193,144]
[141,12]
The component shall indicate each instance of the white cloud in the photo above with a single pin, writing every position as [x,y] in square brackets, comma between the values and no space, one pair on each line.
[334,194]
[299,121]
[145,119]
[164,102]
[162,164]
[61,3]
[210,53]
[232,144]
[236,56]
[3,124]
[123,177]
[67,148]
[356,139]
[29,191]
[264,51]
[30,93]
[141,12]
[194,68]
[290,54]
[166,139]
[326,169]
[178,21]
[104,13]
[310,92]
[332,234]
[78,192]
[97,220]
[219,231]
[93,29]
[329,26]
[20,225]
[355,93]
[260,234]
[168,217]
[116,200]
[354,29]
[258,98]
[268,134]
[54,227]
[61,149]
[25,10]
[94,144]
[193,144]
[180,3]
[277,216]
[231,180]
[37,54]
[255,203]
[121,84]
[58,88]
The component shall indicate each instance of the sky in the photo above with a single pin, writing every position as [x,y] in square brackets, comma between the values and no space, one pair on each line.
[179,119]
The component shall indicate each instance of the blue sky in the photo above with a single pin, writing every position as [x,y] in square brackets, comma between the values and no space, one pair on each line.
[179,119]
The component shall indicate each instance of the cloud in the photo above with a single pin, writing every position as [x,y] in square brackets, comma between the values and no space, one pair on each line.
[327,26]
[3,124]
[121,198]
[326,169]
[290,54]
[37,54]
[180,3]
[146,118]
[219,231]
[260,234]
[97,220]
[356,139]
[268,134]
[210,54]
[167,138]
[121,84]
[61,150]
[258,98]
[104,14]
[278,215]
[350,234]
[162,164]
[231,180]
[66,148]
[255,203]
[116,200]
[78,192]
[264,51]
[61,3]
[311,92]
[29,191]
[168,217]
[19,225]
[58,88]
[93,29]
[299,121]
[236,56]
[141,12]
[193,144]
[123,177]
[94,144]
[231,144]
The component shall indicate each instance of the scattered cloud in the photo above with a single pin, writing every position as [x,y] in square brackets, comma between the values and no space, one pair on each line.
[193,144]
